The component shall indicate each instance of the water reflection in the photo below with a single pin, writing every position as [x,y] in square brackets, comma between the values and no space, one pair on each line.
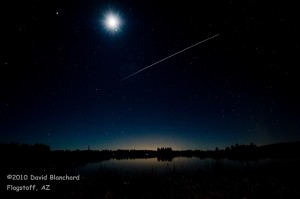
[178,163]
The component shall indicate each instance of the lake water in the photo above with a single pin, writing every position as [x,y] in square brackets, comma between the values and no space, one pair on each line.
[177,164]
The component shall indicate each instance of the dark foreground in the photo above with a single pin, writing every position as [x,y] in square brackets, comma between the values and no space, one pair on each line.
[280,179]
[277,180]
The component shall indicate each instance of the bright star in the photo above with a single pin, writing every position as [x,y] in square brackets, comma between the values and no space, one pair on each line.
[112,22]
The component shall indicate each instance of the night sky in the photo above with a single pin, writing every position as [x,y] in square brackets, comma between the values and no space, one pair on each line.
[61,70]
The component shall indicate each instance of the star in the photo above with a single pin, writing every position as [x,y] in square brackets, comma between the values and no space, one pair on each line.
[112,22]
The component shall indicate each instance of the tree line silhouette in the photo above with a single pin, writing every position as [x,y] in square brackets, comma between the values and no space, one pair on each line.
[41,155]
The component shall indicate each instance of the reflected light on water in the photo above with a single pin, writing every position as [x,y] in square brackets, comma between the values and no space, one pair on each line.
[147,164]
[178,164]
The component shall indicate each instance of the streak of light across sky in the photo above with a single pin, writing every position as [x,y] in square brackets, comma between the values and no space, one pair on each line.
[168,57]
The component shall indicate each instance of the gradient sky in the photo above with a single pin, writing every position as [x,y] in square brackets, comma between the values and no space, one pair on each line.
[60,72]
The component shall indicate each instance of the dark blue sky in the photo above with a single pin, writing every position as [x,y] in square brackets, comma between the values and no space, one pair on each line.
[60,72]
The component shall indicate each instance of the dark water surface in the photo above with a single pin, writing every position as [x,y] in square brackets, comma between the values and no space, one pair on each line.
[180,164]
